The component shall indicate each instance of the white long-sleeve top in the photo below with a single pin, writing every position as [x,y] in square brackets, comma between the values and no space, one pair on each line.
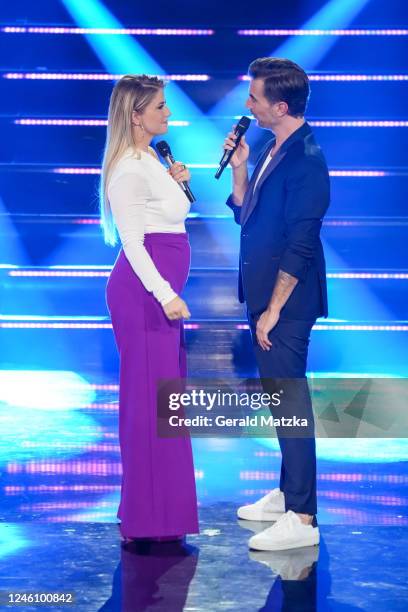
[145,199]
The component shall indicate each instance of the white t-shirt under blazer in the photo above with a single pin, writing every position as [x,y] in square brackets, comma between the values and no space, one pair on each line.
[145,199]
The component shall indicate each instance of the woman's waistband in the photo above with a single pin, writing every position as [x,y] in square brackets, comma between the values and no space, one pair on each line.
[165,237]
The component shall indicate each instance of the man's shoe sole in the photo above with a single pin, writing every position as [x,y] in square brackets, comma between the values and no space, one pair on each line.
[275,547]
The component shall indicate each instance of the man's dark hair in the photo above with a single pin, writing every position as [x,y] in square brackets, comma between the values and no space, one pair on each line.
[284,81]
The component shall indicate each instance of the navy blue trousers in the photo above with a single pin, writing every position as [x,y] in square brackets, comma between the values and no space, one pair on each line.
[287,360]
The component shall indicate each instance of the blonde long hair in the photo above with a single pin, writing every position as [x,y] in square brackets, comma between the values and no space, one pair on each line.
[131,93]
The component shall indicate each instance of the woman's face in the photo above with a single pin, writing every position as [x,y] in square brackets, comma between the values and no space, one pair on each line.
[155,116]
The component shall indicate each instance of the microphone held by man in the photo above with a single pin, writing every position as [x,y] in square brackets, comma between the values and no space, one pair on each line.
[229,151]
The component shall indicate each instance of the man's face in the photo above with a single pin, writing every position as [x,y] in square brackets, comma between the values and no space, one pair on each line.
[267,114]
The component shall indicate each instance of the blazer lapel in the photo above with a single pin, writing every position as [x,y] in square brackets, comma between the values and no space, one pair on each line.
[252,200]
[252,194]
[247,202]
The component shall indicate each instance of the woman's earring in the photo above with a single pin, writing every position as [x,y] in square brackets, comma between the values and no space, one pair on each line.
[139,125]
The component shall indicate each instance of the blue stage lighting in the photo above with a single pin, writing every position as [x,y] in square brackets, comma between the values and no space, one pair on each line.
[309,50]
[41,409]
[11,251]
[11,539]
[305,50]
[123,54]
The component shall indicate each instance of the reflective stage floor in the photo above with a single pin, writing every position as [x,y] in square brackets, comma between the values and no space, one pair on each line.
[354,568]
[60,483]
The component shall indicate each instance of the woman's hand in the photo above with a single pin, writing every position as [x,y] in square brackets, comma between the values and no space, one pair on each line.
[179,172]
[241,154]
[176,309]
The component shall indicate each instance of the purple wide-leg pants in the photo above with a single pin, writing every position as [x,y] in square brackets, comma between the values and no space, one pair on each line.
[158,494]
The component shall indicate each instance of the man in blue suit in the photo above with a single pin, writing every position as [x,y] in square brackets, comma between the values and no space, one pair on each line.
[282,280]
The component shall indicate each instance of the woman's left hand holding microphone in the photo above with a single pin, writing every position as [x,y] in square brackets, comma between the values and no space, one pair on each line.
[179,172]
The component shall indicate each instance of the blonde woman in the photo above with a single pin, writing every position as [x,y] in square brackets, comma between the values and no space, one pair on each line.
[143,203]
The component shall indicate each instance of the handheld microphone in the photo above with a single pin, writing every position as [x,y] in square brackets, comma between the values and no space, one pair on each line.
[239,131]
[165,151]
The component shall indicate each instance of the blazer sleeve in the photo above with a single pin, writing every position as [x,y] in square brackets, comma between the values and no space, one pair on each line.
[128,196]
[235,209]
[307,200]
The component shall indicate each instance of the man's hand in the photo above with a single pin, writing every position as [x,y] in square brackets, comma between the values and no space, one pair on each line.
[264,325]
[176,309]
[239,166]
[241,154]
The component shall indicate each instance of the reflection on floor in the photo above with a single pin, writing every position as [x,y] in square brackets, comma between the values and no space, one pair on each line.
[60,485]
[354,568]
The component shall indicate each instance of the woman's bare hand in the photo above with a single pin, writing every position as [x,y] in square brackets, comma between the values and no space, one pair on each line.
[176,309]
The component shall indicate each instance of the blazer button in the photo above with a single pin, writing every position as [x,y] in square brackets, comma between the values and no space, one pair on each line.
[244,235]
[245,263]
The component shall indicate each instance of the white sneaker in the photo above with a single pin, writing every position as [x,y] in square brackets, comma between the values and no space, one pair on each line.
[288,532]
[268,508]
[254,526]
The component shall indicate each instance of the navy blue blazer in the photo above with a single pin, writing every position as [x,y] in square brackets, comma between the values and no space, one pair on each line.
[280,228]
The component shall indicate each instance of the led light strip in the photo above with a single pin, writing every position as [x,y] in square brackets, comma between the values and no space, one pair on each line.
[359,124]
[195,326]
[337,173]
[358,517]
[322,123]
[344,123]
[352,327]
[63,273]
[348,77]
[56,325]
[200,32]
[108,31]
[332,477]
[98,171]
[102,448]
[322,327]
[76,170]
[81,76]
[108,407]
[95,220]
[368,275]
[367,222]
[360,173]
[338,32]
[41,489]
[63,505]
[385,500]
[78,517]
[358,77]
[82,122]
[101,467]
